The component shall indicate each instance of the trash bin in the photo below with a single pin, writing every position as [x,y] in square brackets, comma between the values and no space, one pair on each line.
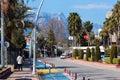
[15,66]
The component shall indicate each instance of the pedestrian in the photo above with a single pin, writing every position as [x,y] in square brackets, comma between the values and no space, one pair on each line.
[19,62]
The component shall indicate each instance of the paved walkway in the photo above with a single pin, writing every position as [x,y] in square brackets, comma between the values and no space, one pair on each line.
[25,74]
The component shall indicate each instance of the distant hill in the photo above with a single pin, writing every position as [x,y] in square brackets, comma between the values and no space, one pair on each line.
[60,21]
[44,18]
[96,27]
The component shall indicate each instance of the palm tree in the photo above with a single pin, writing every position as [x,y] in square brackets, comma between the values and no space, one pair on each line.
[110,27]
[116,16]
[14,18]
[91,37]
[105,37]
[88,28]
[18,39]
[74,24]
[79,39]
[112,23]
[14,14]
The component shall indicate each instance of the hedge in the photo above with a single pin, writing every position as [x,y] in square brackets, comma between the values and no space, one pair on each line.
[116,60]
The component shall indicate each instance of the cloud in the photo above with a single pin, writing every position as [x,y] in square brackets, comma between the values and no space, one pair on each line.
[93,6]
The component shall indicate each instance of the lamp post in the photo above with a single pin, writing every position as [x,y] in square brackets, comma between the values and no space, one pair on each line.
[34,46]
[2,36]
[30,43]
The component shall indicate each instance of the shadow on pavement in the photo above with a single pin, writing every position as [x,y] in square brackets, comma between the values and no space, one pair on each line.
[65,67]
[24,79]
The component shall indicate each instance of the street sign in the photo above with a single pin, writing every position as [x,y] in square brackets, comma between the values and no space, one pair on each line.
[7,44]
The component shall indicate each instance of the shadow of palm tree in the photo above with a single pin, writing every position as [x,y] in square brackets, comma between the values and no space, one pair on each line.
[65,67]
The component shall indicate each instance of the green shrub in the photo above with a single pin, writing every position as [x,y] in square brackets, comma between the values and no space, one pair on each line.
[90,59]
[81,54]
[113,53]
[97,54]
[88,53]
[93,54]
[118,50]
[107,60]
[39,55]
[116,60]
[0,69]
[75,53]
[77,57]
[107,51]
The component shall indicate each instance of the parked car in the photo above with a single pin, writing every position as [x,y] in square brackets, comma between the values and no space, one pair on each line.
[104,56]
[63,56]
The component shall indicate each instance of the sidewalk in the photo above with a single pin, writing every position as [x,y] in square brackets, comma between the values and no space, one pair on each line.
[25,74]
[96,64]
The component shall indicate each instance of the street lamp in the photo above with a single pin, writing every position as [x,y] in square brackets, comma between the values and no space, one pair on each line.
[34,46]
[3,7]
[30,47]
[2,36]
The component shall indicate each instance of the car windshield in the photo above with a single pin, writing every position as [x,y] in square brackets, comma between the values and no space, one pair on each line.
[63,55]
[106,55]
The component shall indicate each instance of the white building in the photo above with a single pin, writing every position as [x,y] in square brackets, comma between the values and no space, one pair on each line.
[109,13]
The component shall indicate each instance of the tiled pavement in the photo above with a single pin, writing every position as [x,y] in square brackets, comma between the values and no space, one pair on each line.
[25,74]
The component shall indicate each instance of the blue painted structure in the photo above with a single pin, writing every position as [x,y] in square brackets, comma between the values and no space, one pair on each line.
[55,76]
[50,76]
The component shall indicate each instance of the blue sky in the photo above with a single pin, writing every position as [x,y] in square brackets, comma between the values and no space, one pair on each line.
[93,10]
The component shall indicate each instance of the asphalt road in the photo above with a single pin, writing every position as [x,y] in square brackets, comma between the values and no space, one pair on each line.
[88,71]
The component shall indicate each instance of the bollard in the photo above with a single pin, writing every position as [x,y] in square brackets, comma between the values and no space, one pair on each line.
[53,65]
[65,70]
[49,69]
[83,78]
[72,74]
[69,72]
[75,76]
[45,64]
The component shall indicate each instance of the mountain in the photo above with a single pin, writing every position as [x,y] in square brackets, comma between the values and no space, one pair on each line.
[96,27]
[44,19]
[58,20]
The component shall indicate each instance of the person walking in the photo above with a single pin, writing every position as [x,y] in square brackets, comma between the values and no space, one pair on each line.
[19,62]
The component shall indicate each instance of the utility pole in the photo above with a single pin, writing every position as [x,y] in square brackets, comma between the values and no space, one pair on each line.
[34,46]
[2,36]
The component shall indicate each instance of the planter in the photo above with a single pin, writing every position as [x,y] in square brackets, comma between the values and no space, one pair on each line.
[5,72]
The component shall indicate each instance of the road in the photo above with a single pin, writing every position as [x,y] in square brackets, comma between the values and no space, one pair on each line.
[88,71]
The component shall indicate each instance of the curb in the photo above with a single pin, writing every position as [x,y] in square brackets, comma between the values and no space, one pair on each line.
[96,63]
[47,63]
[5,72]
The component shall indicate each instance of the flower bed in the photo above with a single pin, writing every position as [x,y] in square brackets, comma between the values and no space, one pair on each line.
[5,72]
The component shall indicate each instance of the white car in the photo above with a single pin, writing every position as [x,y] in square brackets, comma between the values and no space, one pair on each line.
[63,56]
